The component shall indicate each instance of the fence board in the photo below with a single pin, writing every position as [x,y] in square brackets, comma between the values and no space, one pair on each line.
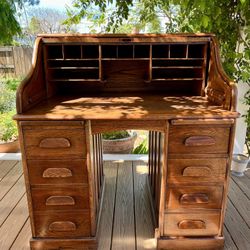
[15,61]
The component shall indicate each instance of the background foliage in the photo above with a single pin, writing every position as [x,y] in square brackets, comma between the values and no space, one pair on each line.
[9,24]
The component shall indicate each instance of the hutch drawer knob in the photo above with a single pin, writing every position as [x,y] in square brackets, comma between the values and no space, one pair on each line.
[57,173]
[192,224]
[199,140]
[196,171]
[62,226]
[54,143]
[194,199]
[60,200]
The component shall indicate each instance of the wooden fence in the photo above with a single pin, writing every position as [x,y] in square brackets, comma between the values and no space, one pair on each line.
[15,61]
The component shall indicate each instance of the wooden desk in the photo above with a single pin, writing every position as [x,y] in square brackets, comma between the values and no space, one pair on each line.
[82,86]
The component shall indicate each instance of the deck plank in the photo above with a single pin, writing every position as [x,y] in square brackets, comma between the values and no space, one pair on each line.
[106,221]
[23,238]
[5,167]
[10,179]
[237,227]
[124,228]
[247,172]
[240,200]
[229,244]
[13,224]
[8,203]
[144,222]
[243,183]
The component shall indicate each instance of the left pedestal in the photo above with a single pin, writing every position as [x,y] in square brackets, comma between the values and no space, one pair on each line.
[60,183]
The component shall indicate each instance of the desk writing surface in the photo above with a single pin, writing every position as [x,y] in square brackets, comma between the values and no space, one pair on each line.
[146,107]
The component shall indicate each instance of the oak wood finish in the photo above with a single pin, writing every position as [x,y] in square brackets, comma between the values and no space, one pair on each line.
[52,172]
[76,223]
[212,243]
[194,197]
[83,85]
[189,224]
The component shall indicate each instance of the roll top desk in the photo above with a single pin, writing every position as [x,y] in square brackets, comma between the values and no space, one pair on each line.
[81,86]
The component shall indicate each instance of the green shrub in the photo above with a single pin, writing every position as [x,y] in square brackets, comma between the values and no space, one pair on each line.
[141,149]
[8,128]
[115,135]
[12,83]
[7,98]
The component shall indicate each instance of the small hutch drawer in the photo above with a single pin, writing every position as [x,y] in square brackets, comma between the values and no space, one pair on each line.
[62,224]
[193,224]
[53,172]
[60,198]
[54,143]
[194,197]
[197,170]
[199,139]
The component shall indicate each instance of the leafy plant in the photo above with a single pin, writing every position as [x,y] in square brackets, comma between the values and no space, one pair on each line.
[7,98]
[8,128]
[9,25]
[116,135]
[12,83]
[142,148]
[247,119]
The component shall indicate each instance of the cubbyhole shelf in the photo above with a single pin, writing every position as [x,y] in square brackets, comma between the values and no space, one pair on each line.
[74,63]
[166,62]
[54,52]
[125,52]
[177,62]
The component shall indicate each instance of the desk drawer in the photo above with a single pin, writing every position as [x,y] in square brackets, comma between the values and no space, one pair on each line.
[198,224]
[62,224]
[60,198]
[54,143]
[197,170]
[198,140]
[194,197]
[57,172]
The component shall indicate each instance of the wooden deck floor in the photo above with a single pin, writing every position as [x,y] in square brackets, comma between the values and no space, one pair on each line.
[126,221]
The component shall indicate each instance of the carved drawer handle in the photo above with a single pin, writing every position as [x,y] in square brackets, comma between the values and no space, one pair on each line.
[62,226]
[57,173]
[199,141]
[54,143]
[194,199]
[196,171]
[60,200]
[192,224]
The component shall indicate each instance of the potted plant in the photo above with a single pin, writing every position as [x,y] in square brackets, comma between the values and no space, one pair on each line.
[8,133]
[118,142]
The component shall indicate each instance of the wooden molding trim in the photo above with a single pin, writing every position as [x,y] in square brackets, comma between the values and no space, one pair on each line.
[55,143]
[200,140]
[196,171]
[62,226]
[57,173]
[192,224]
[60,200]
[198,198]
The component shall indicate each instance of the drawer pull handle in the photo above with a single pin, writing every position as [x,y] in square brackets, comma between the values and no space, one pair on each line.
[57,173]
[196,171]
[60,200]
[193,141]
[192,224]
[62,226]
[187,199]
[54,143]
